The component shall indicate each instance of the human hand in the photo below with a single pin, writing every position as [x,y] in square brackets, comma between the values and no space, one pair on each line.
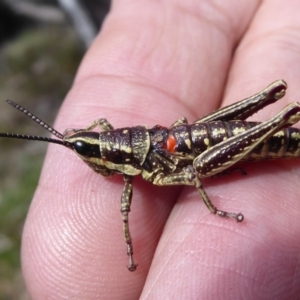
[154,62]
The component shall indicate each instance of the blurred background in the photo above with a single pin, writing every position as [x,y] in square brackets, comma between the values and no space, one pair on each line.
[41,45]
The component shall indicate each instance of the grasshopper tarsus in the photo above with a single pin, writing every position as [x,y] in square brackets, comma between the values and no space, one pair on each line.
[182,154]
[239,218]
[132,265]
[224,214]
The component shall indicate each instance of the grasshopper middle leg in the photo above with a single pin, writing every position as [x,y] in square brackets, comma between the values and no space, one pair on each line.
[125,209]
[188,176]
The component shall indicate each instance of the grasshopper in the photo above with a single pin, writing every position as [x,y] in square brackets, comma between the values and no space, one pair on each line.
[183,153]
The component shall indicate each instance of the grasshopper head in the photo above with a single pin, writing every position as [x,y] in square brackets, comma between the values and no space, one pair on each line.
[84,143]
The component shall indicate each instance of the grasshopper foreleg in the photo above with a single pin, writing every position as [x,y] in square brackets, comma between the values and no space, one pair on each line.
[181,121]
[125,209]
[102,123]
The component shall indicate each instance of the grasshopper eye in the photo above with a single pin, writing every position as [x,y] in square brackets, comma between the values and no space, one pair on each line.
[86,149]
[82,148]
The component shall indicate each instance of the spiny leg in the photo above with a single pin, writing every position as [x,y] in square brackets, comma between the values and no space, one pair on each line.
[188,176]
[102,123]
[245,108]
[125,209]
[229,172]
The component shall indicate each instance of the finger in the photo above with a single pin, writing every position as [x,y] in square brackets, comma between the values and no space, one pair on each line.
[217,258]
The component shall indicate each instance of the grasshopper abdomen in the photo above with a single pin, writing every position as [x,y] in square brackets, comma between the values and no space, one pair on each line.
[193,139]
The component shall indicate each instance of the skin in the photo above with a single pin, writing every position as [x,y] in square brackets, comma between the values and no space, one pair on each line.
[153,62]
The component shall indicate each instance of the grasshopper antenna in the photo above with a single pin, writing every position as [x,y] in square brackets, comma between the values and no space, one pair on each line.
[41,123]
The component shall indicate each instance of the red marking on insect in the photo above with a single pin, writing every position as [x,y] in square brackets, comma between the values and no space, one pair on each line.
[171,143]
